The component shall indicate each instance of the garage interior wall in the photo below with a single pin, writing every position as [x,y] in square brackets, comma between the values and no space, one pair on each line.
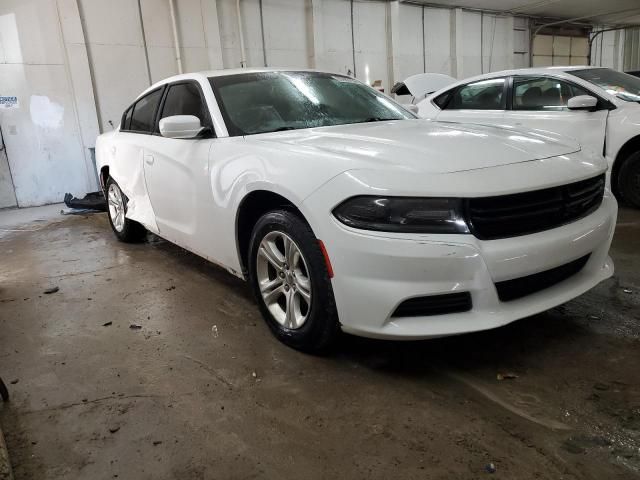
[75,65]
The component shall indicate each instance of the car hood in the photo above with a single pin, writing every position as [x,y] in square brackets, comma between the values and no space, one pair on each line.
[423,145]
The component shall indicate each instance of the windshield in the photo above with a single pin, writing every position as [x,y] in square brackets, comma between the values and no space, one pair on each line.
[623,86]
[275,101]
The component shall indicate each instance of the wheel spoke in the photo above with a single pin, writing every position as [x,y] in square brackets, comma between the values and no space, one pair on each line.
[271,290]
[290,314]
[289,248]
[270,252]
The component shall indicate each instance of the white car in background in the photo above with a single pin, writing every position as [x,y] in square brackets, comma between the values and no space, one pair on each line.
[343,210]
[599,107]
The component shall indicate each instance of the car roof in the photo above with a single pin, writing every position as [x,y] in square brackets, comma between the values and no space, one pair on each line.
[533,71]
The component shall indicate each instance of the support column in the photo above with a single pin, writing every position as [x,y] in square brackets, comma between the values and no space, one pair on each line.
[457,43]
[81,81]
[317,47]
[393,41]
[212,38]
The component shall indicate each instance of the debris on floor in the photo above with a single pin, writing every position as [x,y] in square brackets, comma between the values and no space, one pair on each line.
[51,290]
[506,376]
[114,429]
[214,331]
[627,290]
[490,468]
[91,201]
[13,382]
[107,324]
[135,326]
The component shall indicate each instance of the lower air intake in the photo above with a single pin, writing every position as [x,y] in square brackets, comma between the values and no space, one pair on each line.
[434,305]
[523,286]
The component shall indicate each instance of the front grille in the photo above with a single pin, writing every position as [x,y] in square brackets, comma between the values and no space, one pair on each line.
[523,213]
[434,305]
[523,286]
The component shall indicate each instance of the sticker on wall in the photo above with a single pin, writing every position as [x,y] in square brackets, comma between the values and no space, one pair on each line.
[9,102]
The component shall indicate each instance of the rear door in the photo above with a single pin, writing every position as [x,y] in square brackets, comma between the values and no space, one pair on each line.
[540,102]
[126,152]
[482,102]
[177,171]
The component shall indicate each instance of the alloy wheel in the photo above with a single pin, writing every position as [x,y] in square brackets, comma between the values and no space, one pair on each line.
[283,279]
[116,207]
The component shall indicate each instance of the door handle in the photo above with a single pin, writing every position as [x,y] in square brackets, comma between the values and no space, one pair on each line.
[149,159]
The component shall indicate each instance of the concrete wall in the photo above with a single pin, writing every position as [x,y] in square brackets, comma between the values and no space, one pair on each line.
[76,64]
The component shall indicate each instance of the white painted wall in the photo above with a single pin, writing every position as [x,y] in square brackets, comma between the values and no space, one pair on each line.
[44,142]
[439,51]
[607,49]
[77,64]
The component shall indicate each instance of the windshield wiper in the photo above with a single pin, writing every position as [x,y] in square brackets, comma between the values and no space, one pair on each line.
[279,129]
[376,119]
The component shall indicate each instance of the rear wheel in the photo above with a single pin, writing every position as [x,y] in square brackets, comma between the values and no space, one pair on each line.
[291,283]
[125,229]
[629,180]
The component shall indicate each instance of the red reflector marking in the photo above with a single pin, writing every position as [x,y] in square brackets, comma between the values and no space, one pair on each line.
[326,258]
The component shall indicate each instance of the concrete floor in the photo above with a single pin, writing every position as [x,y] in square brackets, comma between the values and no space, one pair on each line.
[202,390]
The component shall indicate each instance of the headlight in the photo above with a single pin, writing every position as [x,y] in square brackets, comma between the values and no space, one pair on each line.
[403,214]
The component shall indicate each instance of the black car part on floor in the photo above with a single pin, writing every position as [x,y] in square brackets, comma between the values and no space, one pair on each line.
[91,201]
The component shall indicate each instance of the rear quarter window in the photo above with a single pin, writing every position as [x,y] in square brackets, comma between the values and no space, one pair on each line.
[442,99]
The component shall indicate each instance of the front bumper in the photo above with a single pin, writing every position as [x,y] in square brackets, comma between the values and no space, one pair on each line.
[376,271]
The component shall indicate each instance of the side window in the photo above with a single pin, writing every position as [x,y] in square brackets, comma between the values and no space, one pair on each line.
[442,99]
[543,93]
[185,99]
[126,119]
[482,95]
[144,112]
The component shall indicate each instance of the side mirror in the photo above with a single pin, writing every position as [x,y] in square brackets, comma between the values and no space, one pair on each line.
[180,126]
[412,107]
[582,102]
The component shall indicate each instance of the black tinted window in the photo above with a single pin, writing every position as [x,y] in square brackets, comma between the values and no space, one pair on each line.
[184,99]
[442,100]
[144,112]
[126,119]
[483,95]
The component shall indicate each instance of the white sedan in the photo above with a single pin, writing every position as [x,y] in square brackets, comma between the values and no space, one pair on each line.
[344,211]
[599,107]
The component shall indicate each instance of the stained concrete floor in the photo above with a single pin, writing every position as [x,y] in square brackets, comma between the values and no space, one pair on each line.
[178,398]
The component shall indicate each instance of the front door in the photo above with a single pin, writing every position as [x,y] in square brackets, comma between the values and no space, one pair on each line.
[541,103]
[177,172]
[7,192]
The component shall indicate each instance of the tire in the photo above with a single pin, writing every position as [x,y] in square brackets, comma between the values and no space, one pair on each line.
[125,229]
[4,393]
[281,285]
[629,180]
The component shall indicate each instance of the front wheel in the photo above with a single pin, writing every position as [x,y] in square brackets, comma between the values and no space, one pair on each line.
[291,283]
[126,230]
[629,180]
